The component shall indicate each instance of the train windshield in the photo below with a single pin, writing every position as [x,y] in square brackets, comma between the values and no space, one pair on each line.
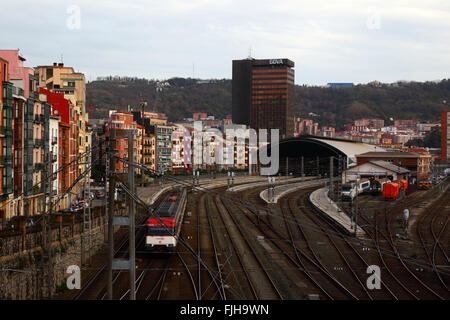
[346,188]
[160,231]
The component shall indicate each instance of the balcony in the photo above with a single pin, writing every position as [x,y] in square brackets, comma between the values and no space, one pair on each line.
[39,118]
[39,166]
[18,91]
[5,160]
[6,131]
[38,143]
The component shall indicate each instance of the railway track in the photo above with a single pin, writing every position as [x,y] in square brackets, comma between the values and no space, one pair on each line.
[304,214]
[302,263]
[359,264]
[239,235]
[434,223]
[310,263]
[197,249]
[405,282]
[232,251]
[233,269]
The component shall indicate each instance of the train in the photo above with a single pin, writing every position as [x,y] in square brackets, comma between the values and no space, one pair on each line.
[351,190]
[163,227]
[376,185]
[391,191]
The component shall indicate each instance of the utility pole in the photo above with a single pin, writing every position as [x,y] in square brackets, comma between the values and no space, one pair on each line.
[287,166]
[331,193]
[318,165]
[356,205]
[132,216]
[339,180]
[47,229]
[112,187]
[87,222]
[105,199]
[232,179]
[302,168]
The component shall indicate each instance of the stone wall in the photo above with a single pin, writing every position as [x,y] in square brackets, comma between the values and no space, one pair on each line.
[22,272]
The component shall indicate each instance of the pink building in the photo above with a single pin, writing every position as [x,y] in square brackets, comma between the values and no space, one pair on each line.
[18,74]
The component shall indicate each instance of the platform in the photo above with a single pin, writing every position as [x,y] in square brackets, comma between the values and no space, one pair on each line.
[241,180]
[283,190]
[325,205]
[279,180]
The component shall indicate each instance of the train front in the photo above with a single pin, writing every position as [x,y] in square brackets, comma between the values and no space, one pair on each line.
[161,234]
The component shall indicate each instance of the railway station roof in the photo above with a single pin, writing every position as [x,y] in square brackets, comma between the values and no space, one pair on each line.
[314,146]
[377,165]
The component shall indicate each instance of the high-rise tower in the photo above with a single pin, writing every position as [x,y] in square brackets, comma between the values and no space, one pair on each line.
[263,94]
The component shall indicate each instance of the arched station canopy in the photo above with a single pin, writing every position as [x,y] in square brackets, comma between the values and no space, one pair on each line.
[312,147]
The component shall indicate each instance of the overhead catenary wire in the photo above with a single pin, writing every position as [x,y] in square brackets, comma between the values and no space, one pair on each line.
[71,163]
[248,205]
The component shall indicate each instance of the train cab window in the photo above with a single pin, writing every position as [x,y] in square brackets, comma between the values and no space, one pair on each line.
[161,231]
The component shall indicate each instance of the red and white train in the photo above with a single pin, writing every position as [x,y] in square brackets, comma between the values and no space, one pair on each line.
[163,227]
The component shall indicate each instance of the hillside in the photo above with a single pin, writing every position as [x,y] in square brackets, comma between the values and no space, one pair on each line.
[335,107]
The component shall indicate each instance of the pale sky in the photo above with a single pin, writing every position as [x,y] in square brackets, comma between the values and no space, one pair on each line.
[329,41]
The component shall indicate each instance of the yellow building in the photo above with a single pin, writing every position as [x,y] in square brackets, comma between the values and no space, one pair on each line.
[149,151]
[58,78]
[156,118]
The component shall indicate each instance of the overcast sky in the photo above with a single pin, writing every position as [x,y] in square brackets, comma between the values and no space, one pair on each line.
[329,41]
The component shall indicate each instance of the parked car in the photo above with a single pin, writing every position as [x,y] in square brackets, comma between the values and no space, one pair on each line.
[84,203]
[76,208]
[99,194]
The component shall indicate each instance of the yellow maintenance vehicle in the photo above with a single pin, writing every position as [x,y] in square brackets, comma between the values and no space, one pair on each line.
[424,183]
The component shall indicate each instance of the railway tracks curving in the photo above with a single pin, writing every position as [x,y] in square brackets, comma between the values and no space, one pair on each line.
[381,228]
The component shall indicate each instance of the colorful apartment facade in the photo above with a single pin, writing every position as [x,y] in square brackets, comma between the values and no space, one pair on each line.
[43,121]
[6,106]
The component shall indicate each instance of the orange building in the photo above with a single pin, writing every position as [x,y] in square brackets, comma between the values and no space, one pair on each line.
[121,120]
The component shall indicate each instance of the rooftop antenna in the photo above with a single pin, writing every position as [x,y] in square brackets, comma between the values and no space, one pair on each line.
[143,104]
[250,52]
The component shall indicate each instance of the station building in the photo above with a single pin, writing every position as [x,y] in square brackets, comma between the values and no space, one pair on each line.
[375,169]
[418,163]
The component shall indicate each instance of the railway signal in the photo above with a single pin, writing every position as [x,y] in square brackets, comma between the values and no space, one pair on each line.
[405,219]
